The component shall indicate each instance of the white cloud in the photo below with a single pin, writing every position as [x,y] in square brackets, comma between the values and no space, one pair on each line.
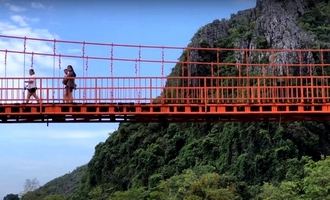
[37,5]
[20,20]
[16,61]
[19,25]
[14,8]
[17,64]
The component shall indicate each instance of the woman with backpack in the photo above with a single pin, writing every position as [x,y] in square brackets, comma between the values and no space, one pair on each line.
[70,85]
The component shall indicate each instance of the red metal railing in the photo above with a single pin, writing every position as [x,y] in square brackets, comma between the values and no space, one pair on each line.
[204,81]
[209,90]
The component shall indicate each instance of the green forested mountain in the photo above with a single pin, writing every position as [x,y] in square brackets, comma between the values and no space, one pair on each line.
[59,188]
[260,160]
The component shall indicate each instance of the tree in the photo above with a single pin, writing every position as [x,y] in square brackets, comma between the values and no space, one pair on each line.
[315,184]
[31,185]
[11,197]
[134,193]
[54,197]
[190,185]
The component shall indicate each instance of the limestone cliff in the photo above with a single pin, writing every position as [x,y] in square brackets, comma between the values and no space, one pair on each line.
[271,24]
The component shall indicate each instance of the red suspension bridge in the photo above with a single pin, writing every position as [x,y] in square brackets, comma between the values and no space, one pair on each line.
[117,82]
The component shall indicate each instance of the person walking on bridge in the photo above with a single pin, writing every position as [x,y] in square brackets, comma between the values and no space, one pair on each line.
[31,87]
[65,81]
[70,84]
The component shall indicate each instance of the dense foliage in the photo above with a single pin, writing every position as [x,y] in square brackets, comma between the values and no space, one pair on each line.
[315,184]
[248,153]
[317,21]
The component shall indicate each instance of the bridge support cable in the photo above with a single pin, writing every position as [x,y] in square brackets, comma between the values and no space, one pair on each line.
[139,75]
[83,71]
[5,62]
[24,64]
[162,68]
[6,80]
[217,81]
[301,79]
[53,81]
[135,80]
[24,57]
[59,75]
[32,61]
[185,83]
[323,83]
[273,83]
[111,75]
[162,81]
[86,85]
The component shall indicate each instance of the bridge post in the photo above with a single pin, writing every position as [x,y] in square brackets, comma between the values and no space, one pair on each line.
[205,93]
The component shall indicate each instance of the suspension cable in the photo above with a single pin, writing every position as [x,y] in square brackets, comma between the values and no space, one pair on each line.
[54,57]
[83,57]
[111,71]
[162,68]
[85,82]
[135,80]
[86,66]
[32,55]
[59,63]
[24,63]
[54,63]
[83,70]
[59,71]
[139,74]
[6,52]
[6,83]
[24,57]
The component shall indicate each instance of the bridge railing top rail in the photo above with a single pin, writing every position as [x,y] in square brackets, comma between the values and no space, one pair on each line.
[274,50]
[19,53]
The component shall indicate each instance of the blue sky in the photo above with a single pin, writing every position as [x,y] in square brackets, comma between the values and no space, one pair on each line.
[44,152]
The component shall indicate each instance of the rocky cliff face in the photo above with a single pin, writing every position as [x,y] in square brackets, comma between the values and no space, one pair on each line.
[277,21]
[271,24]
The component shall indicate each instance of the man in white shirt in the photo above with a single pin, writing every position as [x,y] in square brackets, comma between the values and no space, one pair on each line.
[31,87]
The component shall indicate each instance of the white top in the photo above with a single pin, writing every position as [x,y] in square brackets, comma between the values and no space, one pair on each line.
[32,82]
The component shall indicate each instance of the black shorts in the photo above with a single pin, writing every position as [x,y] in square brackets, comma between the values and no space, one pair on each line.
[32,90]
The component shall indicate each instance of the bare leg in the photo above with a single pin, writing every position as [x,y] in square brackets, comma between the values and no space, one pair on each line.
[28,97]
[69,95]
[66,95]
[70,98]
[36,97]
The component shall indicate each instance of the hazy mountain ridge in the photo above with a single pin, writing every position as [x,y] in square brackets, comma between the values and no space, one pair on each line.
[65,185]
